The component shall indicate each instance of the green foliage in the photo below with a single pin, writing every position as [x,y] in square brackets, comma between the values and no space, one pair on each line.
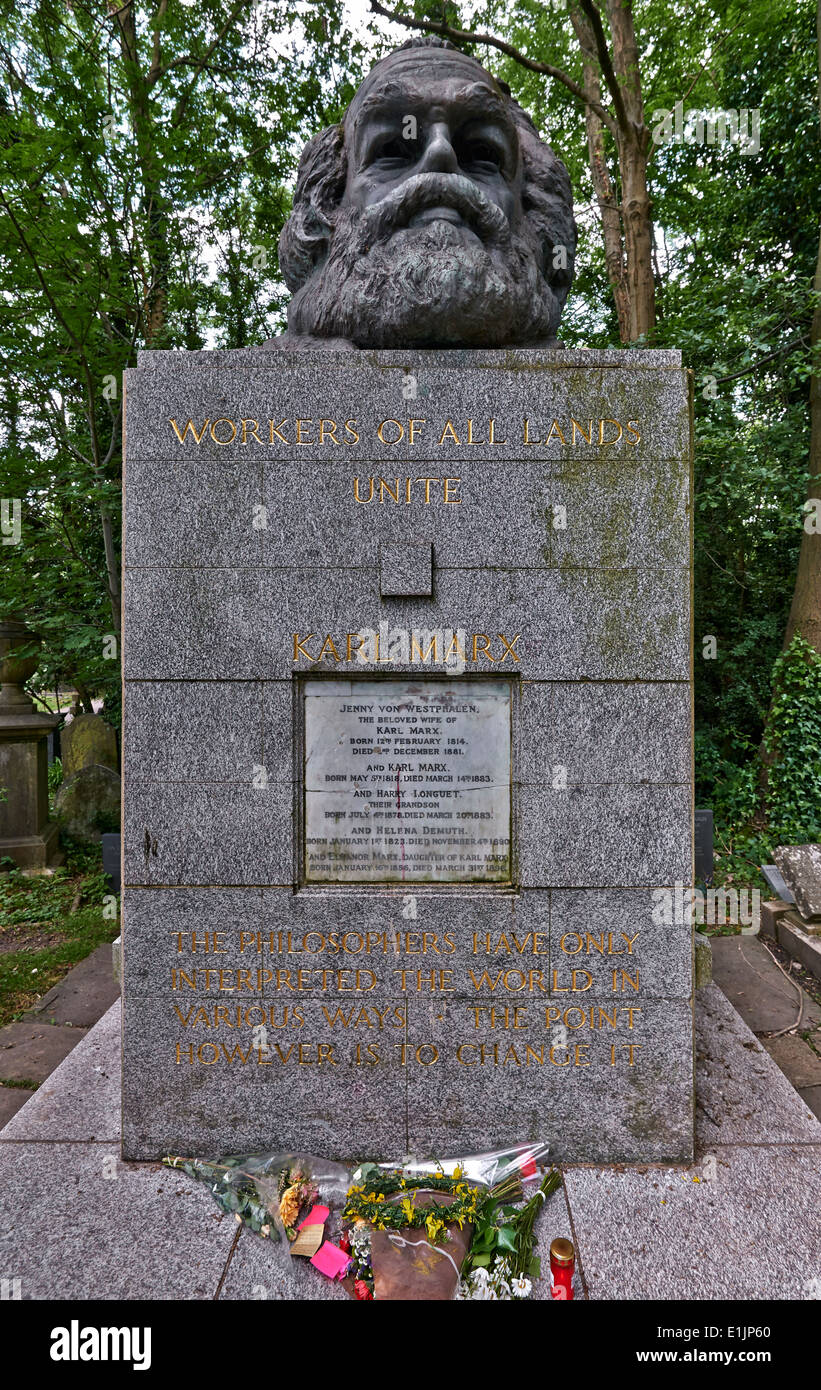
[41,937]
[793,738]
[141,198]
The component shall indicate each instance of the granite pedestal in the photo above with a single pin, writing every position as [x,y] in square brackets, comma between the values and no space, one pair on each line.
[407,753]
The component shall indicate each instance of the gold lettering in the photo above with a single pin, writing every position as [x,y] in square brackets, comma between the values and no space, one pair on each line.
[299,649]
[604,442]
[327,427]
[449,433]
[357,498]
[223,420]
[276,430]
[447,497]
[401,434]
[577,429]
[254,434]
[190,426]
[509,646]
[384,487]
[485,640]
[328,646]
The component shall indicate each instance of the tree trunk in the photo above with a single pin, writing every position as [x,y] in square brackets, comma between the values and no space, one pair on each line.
[638,239]
[602,182]
[805,612]
[634,144]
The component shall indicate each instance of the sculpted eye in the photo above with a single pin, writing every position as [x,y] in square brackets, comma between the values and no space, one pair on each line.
[481,154]
[394,151]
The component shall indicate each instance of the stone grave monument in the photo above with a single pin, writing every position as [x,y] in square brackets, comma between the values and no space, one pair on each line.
[407,717]
[27,835]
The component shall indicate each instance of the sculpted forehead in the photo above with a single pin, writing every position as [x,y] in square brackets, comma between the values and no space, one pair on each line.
[419,77]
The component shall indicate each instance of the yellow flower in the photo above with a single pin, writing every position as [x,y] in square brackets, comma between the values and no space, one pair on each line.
[434,1225]
[408,1208]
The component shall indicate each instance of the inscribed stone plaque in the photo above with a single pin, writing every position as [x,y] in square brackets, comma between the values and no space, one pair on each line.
[407,781]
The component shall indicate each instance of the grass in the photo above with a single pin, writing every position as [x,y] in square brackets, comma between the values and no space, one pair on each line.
[41,938]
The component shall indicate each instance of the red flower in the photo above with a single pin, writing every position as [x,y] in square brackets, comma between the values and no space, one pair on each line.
[529,1168]
[361,1289]
[344,1245]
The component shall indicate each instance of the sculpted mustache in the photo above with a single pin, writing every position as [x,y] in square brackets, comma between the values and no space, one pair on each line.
[422,191]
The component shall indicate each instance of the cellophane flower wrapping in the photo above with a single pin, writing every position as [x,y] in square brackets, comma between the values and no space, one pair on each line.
[272,1193]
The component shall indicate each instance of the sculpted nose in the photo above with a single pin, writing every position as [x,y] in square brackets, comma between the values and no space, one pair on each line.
[439,156]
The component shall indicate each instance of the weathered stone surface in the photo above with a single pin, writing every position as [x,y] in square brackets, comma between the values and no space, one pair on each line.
[597,734]
[700,1239]
[572,624]
[89,803]
[801,867]
[406,568]
[539,1082]
[87,740]
[216,833]
[307,1013]
[703,960]
[30,1049]
[742,1096]
[83,995]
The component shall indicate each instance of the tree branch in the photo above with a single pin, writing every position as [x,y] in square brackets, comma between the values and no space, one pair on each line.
[605,62]
[446,31]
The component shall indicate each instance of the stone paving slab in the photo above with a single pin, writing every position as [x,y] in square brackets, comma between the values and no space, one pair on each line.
[796,1059]
[746,972]
[68,1231]
[741,1095]
[30,1050]
[811,1096]
[80,1100]
[750,1232]
[12,1099]
[84,995]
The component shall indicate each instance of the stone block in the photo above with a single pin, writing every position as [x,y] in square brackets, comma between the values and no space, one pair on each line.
[406,569]
[801,868]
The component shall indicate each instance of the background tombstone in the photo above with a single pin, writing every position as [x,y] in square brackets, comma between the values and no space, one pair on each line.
[87,739]
[26,834]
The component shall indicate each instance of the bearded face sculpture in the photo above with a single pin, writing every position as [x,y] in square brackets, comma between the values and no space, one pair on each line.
[433,215]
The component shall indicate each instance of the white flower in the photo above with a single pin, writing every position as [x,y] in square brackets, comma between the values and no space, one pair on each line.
[521,1287]
[480,1275]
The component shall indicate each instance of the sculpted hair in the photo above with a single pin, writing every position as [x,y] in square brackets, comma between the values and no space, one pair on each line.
[546,198]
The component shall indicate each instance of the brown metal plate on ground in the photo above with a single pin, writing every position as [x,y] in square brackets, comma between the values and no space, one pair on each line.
[406,1265]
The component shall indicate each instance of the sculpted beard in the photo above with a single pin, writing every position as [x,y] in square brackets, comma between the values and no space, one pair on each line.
[386,283]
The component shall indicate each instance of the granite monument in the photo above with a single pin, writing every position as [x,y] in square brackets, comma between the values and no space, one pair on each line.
[407,717]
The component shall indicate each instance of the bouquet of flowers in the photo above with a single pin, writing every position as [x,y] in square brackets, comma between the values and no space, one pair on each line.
[415,1230]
